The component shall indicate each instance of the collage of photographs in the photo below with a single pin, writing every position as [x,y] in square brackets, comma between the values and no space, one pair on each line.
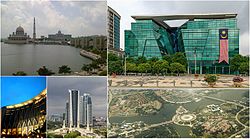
[124,69]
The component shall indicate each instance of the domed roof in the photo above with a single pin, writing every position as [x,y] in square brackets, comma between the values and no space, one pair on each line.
[19,29]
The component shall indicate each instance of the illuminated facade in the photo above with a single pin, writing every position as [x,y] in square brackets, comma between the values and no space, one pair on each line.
[198,38]
[25,119]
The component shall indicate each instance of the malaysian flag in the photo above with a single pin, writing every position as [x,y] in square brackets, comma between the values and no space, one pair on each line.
[223,33]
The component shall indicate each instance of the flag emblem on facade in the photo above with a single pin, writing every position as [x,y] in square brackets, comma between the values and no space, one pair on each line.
[223,33]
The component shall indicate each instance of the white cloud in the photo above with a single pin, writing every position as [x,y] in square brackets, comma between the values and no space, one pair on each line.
[244,44]
[68,16]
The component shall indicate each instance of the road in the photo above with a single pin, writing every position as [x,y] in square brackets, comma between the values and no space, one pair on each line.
[236,116]
[226,101]
[237,119]
[146,128]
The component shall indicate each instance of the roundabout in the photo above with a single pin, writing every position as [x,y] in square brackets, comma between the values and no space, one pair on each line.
[187,117]
[183,117]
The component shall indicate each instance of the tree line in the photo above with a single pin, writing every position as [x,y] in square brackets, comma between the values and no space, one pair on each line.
[169,64]
[176,63]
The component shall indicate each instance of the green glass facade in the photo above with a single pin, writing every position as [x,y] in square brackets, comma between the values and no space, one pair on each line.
[197,38]
[201,43]
[148,39]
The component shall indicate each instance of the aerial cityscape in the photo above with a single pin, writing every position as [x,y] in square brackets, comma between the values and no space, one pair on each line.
[216,113]
[76,49]
[75,109]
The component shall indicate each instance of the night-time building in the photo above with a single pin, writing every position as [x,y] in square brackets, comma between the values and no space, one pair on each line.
[26,119]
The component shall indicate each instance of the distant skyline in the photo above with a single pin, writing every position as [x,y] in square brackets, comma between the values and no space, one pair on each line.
[79,18]
[58,93]
[129,8]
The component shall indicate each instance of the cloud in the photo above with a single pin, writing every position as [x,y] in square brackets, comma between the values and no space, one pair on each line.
[79,18]
[244,43]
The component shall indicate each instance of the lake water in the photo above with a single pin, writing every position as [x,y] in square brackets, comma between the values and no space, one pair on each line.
[30,57]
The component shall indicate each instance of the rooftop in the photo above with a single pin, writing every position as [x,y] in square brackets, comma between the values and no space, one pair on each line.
[187,16]
[161,18]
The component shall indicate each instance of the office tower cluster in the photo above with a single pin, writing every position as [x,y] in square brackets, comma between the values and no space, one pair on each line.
[78,110]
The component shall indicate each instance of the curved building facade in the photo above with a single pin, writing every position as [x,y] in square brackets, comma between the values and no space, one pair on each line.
[25,119]
[207,40]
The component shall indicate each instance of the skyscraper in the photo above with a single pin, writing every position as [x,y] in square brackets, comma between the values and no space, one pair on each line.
[34,30]
[67,114]
[87,111]
[113,29]
[78,110]
[74,109]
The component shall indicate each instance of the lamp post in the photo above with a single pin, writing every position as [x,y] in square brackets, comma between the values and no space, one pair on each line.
[195,60]
[125,63]
[201,63]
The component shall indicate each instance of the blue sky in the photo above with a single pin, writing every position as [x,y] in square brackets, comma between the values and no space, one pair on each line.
[15,90]
[79,18]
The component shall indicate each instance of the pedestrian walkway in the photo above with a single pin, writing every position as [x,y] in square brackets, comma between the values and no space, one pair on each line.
[224,81]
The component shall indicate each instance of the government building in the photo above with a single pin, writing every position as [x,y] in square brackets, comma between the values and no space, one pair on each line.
[59,36]
[26,119]
[207,40]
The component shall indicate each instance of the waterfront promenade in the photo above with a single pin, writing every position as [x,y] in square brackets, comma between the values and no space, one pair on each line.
[89,55]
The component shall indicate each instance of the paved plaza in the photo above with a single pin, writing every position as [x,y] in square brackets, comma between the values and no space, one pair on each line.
[224,81]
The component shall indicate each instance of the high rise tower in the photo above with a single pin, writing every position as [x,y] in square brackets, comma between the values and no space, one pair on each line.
[34,30]
[78,110]
[87,111]
[74,109]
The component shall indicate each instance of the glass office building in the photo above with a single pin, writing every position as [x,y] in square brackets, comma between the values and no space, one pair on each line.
[74,109]
[198,38]
[113,29]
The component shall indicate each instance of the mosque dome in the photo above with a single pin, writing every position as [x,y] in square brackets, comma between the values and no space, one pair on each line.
[19,29]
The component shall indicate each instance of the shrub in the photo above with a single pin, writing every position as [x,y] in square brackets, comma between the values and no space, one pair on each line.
[210,78]
[237,79]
